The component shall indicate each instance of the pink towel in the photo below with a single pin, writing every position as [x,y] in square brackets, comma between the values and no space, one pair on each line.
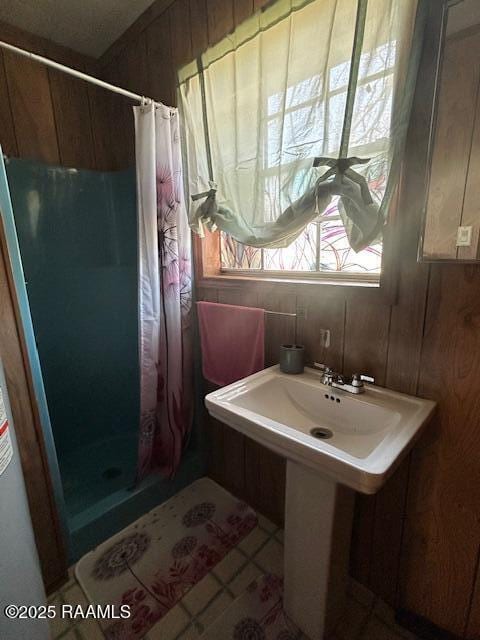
[232,341]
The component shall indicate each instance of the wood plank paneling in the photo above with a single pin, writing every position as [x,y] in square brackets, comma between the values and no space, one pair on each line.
[362,538]
[103,120]
[31,102]
[30,98]
[72,115]
[258,4]
[206,294]
[233,452]
[265,474]
[314,314]
[389,512]
[160,66]
[121,132]
[214,431]
[7,131]
[239,297]
[233,442]
[473,626]
[406,325]
[443,528]
[131,68]
[366,339]
[114,127]
[181,33]
[365,351]
[225,452]
[198,21]
[242,9]
[278,329]
[220,19]
[44,115]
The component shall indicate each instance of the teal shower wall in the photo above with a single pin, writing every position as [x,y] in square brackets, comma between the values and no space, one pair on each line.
[77,234]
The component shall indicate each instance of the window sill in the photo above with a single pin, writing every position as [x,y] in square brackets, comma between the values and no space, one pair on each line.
[336,280]
[313,286]
[371,288]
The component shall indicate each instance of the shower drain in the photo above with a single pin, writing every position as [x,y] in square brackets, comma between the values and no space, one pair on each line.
[111,472]
[321,433]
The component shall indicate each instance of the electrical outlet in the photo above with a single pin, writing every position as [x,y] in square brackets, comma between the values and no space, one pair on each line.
[464,236]
[325,338]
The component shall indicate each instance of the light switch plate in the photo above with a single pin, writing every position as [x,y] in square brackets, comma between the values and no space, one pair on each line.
[464,236]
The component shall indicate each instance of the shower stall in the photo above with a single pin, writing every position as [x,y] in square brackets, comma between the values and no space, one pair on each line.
[77,238]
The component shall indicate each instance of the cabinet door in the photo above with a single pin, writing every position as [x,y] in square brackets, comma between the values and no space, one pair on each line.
[471,206]
[452,146]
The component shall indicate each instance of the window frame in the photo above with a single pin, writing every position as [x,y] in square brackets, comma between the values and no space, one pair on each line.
[208,273]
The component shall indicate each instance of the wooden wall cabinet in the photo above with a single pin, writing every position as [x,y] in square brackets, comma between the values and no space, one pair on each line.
[452,212]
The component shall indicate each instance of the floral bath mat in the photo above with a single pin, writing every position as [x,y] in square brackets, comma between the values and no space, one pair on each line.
[256,615]
[152,564]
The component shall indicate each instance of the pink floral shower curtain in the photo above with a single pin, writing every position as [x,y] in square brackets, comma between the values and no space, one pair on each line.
[165,340]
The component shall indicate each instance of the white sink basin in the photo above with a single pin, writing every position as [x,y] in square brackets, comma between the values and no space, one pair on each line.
[367,432]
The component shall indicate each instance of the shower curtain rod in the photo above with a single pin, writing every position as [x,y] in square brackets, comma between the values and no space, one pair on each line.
[79,74]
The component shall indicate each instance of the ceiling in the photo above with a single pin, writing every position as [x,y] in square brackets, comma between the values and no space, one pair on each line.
[87,26]
[91,26]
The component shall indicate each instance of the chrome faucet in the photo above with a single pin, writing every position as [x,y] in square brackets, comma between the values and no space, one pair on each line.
[351,384]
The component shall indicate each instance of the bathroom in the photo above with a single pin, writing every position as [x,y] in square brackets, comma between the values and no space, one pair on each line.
[122,121]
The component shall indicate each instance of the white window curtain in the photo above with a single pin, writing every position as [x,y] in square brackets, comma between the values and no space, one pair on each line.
[305,104]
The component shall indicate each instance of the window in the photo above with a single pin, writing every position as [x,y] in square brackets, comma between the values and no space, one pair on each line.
[305,79]
[323,245]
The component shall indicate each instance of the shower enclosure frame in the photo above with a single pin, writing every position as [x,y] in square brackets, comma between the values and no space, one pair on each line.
[13,249]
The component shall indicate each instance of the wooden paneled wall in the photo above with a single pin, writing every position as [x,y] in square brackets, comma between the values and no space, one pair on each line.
[417,542]
[48,116]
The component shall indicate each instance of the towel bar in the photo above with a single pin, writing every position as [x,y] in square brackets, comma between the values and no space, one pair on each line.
[277,313]
[281,313]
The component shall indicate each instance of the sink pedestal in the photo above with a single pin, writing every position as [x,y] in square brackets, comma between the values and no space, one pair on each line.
[318,525]
[368,436]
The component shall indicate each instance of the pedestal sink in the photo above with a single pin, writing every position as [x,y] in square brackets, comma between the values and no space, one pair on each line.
[335,443]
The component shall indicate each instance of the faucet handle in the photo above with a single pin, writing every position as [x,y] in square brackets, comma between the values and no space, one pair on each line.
[321,367]
[359,378]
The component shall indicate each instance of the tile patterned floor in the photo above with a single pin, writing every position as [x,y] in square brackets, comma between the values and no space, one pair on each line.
[366,618]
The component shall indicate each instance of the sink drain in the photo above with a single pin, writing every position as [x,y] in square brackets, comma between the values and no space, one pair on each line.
[321,433]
